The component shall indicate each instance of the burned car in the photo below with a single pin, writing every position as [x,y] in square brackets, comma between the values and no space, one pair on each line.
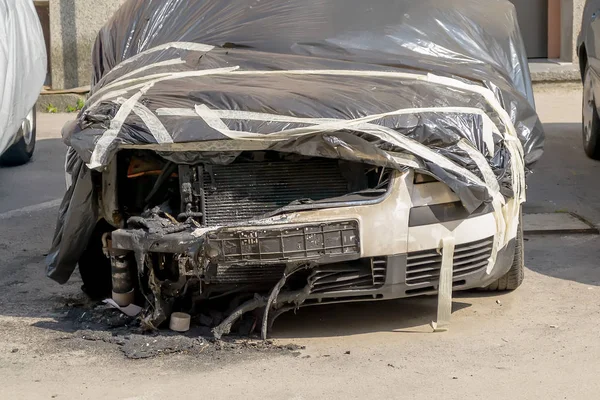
[299,153]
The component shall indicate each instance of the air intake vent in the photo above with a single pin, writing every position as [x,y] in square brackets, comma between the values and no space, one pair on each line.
[379,268]
[423,267]
[364,274]
[246,274]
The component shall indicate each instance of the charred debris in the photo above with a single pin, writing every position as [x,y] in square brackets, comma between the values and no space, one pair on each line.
[171,250]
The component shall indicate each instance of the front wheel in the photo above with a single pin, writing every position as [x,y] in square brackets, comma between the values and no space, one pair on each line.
[21,152]
[94,267]
[514,277]
[591,120]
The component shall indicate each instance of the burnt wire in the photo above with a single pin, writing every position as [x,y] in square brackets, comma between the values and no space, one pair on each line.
[168,170]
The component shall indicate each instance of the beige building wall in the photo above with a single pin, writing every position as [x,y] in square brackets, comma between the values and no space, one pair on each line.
[74,25]
[569,13]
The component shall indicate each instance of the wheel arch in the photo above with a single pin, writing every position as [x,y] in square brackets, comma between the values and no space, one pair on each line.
[583,60]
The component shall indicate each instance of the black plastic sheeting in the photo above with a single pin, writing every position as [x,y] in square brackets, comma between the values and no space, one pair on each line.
[474,41]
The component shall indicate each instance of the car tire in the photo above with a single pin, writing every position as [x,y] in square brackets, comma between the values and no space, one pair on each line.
[590,118]
[94,267]
[21,152]
[514,277]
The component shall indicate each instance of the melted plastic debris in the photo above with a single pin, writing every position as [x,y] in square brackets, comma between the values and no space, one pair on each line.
[101,323]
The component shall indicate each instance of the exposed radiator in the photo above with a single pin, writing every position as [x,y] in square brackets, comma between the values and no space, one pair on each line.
[239,192]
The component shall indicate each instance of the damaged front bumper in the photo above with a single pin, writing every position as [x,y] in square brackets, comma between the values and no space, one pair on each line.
[386,249]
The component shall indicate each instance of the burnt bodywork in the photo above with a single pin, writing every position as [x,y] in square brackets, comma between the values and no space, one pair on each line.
[307,151]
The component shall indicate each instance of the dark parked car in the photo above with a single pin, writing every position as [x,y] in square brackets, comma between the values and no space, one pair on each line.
[589,62]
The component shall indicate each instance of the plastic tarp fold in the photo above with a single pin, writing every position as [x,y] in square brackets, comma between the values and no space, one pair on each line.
[442,87]
[22,65]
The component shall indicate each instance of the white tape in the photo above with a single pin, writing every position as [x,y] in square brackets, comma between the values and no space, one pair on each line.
[121,81]
[214,118]
[151,80]
[444,307]
[359,124]
[211,117]
[190,46]
[488,127]
[512,141]
[156,128]
[339,72]
[167,63]
[498,201]
[97,160]
[232,70]
[215,123]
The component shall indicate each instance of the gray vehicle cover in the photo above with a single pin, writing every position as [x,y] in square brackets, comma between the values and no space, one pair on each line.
[442,87]
[22,66]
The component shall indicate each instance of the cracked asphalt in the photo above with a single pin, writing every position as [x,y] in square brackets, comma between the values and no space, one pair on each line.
[539,342]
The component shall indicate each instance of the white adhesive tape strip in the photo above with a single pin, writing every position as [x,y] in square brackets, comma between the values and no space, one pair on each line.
[167,63]
[488,127]
[151,79]
[513,143]
[190,46]
[211,117]
[498,201]
[103,144]
[217,124]
[155,126]
[359,124]
[444,307]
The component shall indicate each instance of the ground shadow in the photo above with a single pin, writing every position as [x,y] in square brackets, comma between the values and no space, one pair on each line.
[565,180]
[403,316]
[568,257]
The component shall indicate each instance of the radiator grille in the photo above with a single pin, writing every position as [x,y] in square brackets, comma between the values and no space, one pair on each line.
[423,267]
[239,192]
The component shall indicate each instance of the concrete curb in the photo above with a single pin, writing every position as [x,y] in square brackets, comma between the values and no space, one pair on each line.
[555,77]
[59,101]
[550,71]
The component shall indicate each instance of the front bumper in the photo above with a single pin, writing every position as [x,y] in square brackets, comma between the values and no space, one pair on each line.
[359,252]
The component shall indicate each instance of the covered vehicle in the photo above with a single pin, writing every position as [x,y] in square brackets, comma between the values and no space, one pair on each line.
[297,153]
[22,74]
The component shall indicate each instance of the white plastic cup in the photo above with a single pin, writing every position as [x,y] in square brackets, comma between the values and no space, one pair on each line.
[180,322]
